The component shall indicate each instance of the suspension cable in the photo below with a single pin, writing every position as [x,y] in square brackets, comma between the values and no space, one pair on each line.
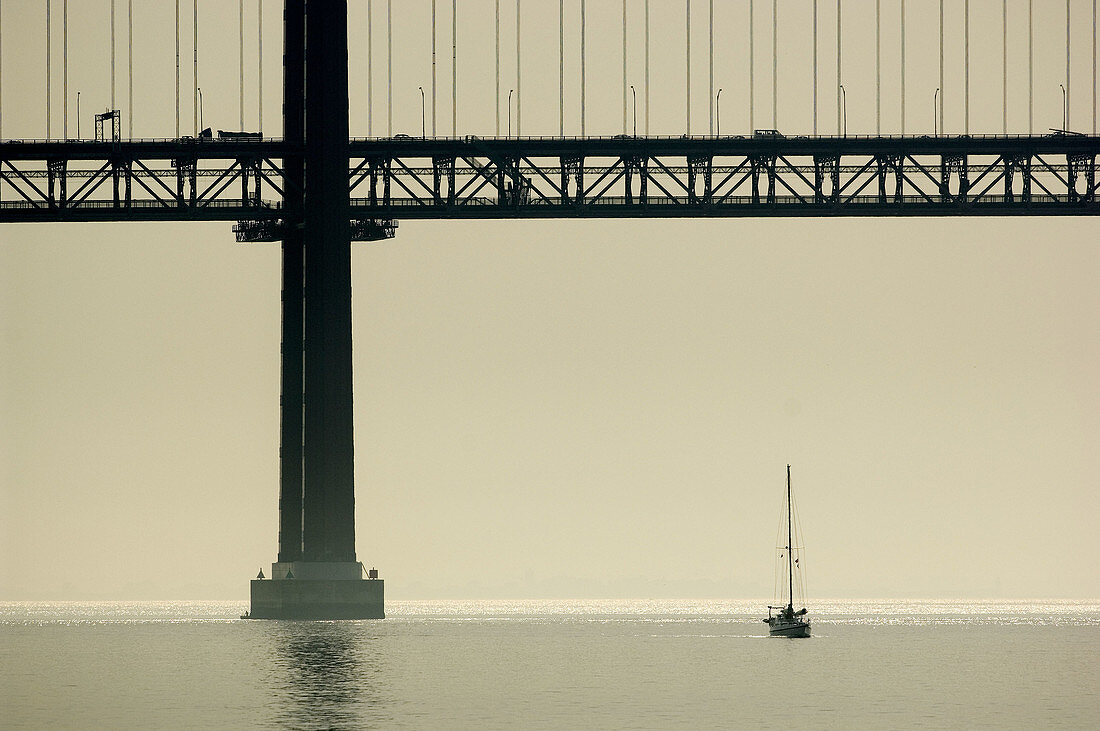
[260,67]
[752,68]
[496,30]
[433,68]
[519,84]
[65,69]
[240,48]
[687,81]
[130,63]
[561,66]
[902,67]
[113,105]
[584,67]
[775,64]
[195,71]
[815,66]
[389,67]
[177,69]
[49,81]
[370,68]
[647,67]
[454,68]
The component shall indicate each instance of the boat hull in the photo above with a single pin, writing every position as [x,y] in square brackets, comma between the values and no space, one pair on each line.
[789,629]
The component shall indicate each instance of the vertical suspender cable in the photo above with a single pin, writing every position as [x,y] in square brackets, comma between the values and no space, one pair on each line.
[433,68]
[561,67]
[1004,66]
[1093,67]
[775,64]
[710,85]
[878,67]
[240,14]
[943,91]
[687,67]
[370,69]
[1,70]
[497,32]
[49,90]
[130,63]
[624,67]
[1030,68]
[815,66]
[177,69]
[903,67]
[647,68]
[584,34]
[519,95]
[966,67]
[389,68]
[65,69]
[752,67]
[195,72]
[839,78]
[260,66]
[113,105]
[1067,64]
[454,68]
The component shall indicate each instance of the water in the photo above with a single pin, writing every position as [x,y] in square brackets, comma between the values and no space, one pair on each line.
[538,664]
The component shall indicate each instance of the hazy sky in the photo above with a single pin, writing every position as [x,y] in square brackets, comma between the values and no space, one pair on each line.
[567,408]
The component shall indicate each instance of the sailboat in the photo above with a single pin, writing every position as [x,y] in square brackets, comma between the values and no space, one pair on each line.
[787,622]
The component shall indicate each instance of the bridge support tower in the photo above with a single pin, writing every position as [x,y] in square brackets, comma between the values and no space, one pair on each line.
[316,575]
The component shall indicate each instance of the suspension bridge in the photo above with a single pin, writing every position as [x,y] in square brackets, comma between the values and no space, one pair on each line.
[316,187]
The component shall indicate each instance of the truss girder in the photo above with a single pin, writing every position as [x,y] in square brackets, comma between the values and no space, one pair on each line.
[549,178]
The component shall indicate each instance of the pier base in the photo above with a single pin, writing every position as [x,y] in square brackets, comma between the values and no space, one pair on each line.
[316,590]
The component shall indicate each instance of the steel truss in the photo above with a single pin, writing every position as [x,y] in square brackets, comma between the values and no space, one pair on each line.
[413,178]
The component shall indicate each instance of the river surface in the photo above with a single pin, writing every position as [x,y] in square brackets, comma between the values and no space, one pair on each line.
[551,664]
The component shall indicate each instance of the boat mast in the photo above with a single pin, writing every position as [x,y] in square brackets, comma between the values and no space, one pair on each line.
[790,559]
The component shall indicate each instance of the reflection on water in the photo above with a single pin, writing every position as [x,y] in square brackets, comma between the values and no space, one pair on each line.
[327,675]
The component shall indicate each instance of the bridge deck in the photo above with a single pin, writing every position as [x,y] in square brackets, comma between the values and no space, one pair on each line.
[555,177]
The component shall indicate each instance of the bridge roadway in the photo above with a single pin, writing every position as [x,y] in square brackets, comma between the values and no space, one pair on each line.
[765,174]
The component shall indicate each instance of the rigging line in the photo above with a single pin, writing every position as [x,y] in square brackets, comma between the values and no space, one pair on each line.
[775,64]
[687,82]
[752,68]
[815,66]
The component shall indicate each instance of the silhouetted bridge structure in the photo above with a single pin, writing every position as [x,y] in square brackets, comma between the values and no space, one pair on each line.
[317,189]
[615,177]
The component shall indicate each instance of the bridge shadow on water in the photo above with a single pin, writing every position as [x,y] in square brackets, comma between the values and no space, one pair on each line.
[327,675]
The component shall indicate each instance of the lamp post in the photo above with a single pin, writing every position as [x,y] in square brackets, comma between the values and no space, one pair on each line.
[78,115]
[935,112]
[423,124]
[844,107]
[718,113]
[510,111]
[634,96]
[201,128]
[1065,123]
